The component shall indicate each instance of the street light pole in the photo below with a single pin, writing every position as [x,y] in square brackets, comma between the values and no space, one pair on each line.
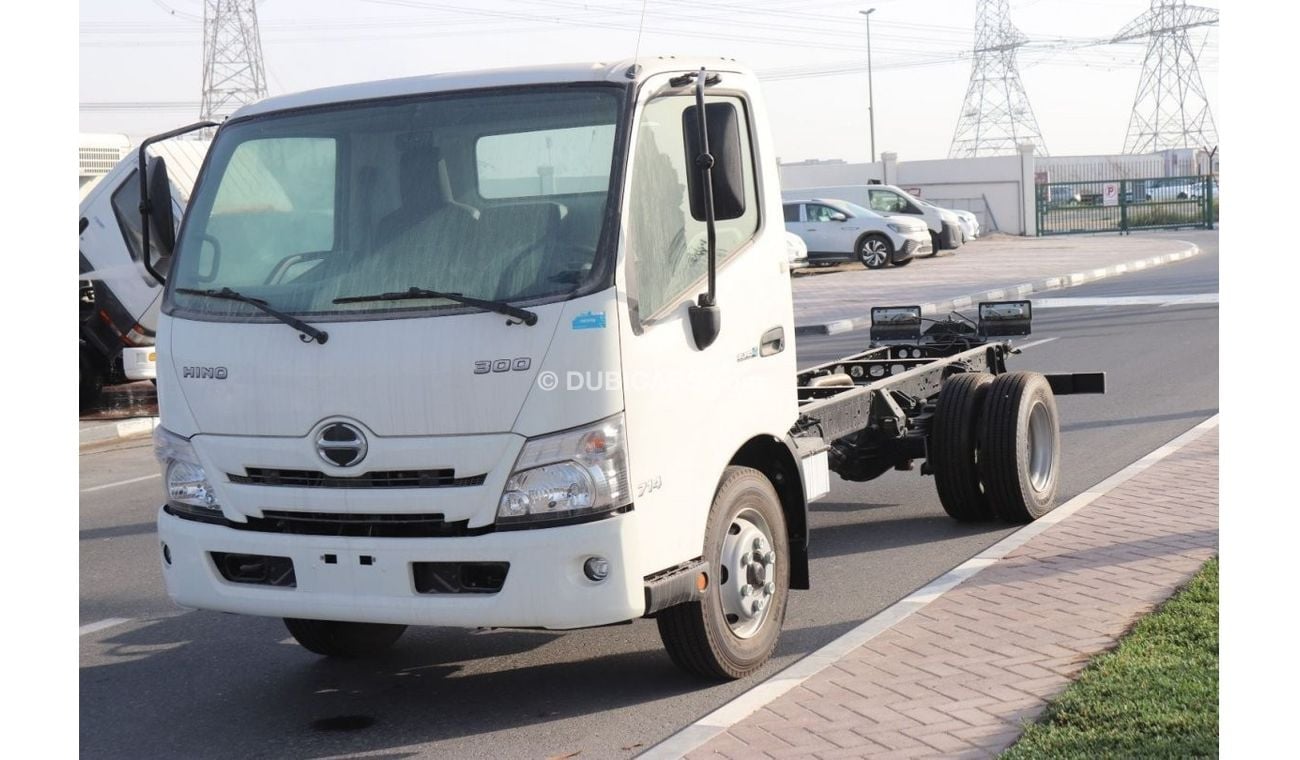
[871,96]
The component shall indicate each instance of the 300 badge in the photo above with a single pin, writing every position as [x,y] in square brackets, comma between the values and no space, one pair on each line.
[502,365]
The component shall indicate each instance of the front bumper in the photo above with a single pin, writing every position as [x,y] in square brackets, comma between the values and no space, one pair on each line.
[545,586]
[140,363]
[950,237]
[913,247]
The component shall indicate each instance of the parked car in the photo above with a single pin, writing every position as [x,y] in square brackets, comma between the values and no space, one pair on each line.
[894,202]
[796,250]
[968,222]
[1064,195]
[836,230]
[1179,189]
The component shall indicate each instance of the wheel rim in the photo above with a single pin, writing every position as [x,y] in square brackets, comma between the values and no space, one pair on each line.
[874,252]
[1042,447]
[749,558]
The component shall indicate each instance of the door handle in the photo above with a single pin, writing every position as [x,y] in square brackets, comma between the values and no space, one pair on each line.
[772,342]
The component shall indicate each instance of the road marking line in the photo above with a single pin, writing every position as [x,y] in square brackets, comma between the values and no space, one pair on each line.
[1039,342]
[120,483]
[1157,300]
[102,624]
[696,734]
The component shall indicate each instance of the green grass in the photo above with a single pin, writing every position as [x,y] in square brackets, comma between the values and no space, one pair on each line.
[1156,695]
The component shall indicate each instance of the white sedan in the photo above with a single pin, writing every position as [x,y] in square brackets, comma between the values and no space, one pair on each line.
[836,230]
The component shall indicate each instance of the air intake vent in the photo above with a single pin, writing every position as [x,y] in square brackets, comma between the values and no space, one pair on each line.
[269,476]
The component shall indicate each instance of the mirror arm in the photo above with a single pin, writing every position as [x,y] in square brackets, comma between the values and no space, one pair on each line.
[704,162]
[145,206]
[706,318]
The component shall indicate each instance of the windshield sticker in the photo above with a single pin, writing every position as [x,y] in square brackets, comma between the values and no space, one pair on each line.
[589,320]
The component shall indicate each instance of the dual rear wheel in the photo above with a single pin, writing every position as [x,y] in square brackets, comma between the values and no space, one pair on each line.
[995,447]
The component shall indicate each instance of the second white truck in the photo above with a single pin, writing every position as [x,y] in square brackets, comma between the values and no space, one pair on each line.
[515,348]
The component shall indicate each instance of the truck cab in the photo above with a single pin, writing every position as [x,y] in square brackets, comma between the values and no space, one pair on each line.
[119,296]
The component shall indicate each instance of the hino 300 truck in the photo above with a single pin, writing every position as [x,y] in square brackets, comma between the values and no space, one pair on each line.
[515,349]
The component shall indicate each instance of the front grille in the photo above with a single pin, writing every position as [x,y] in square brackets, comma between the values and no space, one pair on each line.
[355,525]
[272,476]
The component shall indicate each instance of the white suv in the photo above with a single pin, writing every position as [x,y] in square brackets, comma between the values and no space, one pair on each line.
[836,230]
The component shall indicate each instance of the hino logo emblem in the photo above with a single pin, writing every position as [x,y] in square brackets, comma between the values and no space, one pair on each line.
[205,373]
[341,444]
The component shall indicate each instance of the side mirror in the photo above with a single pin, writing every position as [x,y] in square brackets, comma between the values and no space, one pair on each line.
[838,217]
[160,207]
[723,126]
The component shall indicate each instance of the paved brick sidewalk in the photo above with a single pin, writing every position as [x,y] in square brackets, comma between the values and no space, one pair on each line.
[960,676]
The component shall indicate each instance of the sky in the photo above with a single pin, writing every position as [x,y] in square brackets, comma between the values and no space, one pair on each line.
[148,53]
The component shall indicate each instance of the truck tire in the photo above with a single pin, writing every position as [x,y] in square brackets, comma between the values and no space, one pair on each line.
[934,244]
[954,452]
[875,251]
[348,641]
[734,627]
[1020,446]
[91,382]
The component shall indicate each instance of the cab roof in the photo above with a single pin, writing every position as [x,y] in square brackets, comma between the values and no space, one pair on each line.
[627,71]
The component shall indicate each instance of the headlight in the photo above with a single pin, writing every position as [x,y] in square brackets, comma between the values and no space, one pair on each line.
[186,483]
[571,474]
[897,228]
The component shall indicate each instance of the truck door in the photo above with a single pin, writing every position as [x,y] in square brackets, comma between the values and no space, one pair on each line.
[689,410]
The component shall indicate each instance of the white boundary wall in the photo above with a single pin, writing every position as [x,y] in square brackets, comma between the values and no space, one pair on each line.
[997,189]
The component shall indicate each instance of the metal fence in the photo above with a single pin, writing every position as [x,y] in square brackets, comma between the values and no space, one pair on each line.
[1122,205]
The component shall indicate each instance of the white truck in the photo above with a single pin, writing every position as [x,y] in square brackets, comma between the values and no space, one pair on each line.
[514,349]
[119,297]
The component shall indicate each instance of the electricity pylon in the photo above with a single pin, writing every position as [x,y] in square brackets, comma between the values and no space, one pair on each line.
[995,116]
[1171,109]
[233,72]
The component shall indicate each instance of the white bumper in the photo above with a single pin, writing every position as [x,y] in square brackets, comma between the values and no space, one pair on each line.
[140,363]
[544,587]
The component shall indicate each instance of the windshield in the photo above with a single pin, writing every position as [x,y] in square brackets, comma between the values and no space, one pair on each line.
[497,195]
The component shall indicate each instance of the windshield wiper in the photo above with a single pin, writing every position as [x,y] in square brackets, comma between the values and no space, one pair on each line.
[309,333]
[500,307]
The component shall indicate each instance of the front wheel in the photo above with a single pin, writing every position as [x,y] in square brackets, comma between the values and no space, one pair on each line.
[875,251]
[733,629]
[934,243]
[349,641]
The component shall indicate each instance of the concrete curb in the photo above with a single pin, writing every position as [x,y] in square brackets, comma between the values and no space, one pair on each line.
[1011,292]
[113,431]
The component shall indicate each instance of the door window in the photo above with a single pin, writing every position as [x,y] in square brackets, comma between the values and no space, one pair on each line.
[888,202]
[668,248]
[791,212]
[819,213]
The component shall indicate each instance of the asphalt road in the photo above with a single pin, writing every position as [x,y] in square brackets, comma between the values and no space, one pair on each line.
[202,684]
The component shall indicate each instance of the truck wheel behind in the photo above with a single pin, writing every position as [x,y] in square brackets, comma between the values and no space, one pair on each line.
[734,627]
[934,244]
[1020,446]
[954,446]
[333,638]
